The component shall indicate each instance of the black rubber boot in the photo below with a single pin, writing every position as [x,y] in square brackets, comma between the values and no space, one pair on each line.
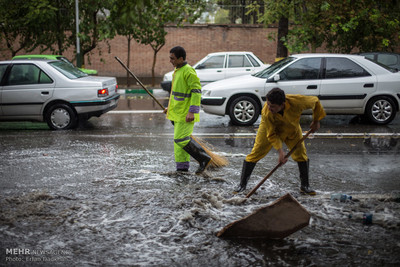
[305,187]
[198,153]
[247,169]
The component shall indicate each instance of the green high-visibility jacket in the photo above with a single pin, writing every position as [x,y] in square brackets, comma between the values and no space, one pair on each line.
[185,94]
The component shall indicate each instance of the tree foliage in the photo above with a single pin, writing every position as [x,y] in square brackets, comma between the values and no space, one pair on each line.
[363,24]
[343,26]
[239,13]
[57,40]
[21,24]
[276,11]
[50,24]
[146,22]
[94,26]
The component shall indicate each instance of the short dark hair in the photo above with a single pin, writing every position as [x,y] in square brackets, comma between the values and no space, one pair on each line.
[276,96]
[178,51]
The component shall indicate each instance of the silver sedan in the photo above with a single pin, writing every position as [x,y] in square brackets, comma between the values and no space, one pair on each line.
[54,92]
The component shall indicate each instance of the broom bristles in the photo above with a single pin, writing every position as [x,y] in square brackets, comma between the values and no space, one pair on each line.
[217,161]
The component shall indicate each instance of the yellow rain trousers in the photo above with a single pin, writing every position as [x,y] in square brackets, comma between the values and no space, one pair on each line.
[182,132]
[275,128]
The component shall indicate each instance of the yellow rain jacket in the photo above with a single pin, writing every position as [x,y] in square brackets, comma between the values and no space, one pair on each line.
[285,127]
[185,94]
[275,128]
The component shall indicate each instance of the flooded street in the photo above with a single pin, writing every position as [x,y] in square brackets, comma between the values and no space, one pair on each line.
[107,194]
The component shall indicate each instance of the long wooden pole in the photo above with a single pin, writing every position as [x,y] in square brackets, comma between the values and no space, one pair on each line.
[277,166]
[137,79]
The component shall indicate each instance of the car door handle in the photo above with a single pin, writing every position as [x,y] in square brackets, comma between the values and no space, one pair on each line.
[219,70]
[248,69]
[312,87]
[45,93]
[368,85]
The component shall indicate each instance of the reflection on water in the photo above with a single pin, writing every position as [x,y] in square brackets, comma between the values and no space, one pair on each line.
[377,144]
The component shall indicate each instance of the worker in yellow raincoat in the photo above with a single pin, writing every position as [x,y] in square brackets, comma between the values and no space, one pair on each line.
[280,122]
[183,110]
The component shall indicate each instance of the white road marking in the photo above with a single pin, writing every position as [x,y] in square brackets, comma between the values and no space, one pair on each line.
[134,111]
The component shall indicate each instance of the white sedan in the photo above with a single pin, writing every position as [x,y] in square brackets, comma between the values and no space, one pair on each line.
[345,84]
[221,65]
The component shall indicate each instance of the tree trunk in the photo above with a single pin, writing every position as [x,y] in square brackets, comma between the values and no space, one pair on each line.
[128,63]
[153,78]
[283,29]
[155,49]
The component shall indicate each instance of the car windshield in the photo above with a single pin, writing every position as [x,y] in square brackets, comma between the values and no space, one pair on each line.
[67,70]
[265,73]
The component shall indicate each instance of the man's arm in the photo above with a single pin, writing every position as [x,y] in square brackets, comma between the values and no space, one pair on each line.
[193,82]
[315,126]
[312,102]
[282,158]
[318,114]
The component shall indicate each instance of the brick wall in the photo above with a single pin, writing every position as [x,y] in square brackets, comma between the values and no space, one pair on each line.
[198,40]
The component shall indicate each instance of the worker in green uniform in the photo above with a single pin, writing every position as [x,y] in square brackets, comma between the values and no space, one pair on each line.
[280,119]
[183,111]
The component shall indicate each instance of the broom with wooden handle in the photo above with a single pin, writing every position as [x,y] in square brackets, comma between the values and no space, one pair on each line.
[216,160]
[278,165]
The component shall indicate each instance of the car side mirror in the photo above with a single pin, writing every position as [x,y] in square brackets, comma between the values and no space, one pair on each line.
[199,67]
[274,78]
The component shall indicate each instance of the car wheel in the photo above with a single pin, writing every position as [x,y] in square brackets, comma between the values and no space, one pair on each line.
[244,111]
[61,117]
[381,110]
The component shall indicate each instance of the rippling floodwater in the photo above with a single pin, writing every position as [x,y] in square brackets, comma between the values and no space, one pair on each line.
[90,199]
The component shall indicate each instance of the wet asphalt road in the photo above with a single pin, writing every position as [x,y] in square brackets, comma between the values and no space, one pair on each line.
[106,194]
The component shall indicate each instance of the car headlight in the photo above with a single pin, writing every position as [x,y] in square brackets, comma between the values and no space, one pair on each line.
[206,92]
